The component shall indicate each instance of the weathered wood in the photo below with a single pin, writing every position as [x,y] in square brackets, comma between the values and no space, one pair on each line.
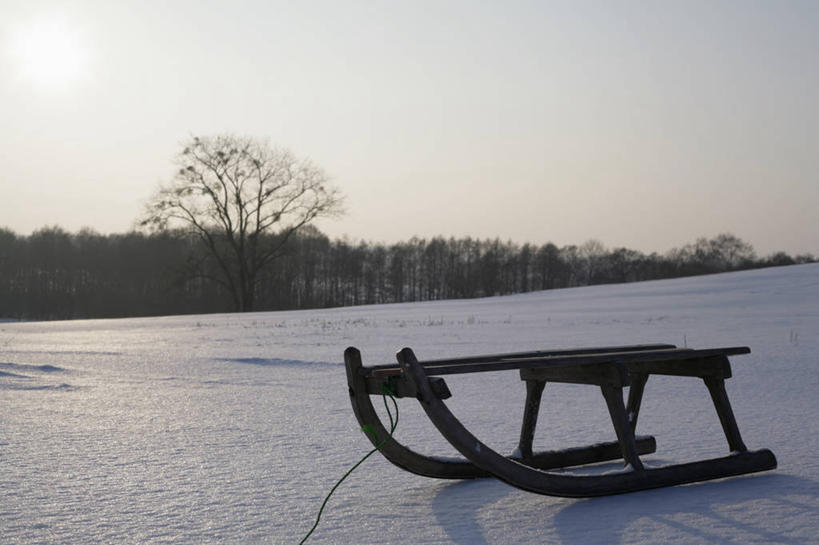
[611,368]
[625,435]
[592,454]
[505,364]
[393,450]
[707,366]
[375,370]
[543,482]
[611,372]
[545,353]
[454,468]
[635,398]
[531,408]
[716,387]
[401,388]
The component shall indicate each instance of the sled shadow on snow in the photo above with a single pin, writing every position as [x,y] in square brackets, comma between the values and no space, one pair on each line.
[759,509]
[456,508]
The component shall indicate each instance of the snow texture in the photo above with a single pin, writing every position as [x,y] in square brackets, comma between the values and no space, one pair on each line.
[232,428]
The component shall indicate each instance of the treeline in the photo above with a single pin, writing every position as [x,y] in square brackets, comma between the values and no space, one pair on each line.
[53,274]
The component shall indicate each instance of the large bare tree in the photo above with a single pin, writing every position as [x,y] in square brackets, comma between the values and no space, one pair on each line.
[244,199]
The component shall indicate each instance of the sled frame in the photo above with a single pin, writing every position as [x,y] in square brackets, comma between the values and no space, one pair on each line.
[611,368]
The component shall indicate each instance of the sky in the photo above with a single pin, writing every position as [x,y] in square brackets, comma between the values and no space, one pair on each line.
[640,124]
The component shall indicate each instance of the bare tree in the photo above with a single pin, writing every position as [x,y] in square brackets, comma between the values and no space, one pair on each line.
[244,200]
[592,254]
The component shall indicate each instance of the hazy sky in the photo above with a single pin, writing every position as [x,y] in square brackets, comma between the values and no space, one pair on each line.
[642,124]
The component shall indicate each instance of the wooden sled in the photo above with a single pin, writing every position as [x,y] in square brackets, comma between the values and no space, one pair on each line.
[610,368]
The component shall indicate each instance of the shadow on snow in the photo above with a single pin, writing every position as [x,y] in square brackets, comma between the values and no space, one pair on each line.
[706,512]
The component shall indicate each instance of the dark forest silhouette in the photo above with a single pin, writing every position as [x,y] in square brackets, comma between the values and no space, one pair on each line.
[54,274]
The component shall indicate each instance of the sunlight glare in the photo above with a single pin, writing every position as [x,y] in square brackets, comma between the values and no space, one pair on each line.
[49,53]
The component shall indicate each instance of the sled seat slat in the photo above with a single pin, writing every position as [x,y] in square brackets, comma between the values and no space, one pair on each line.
[545,353]
[639,359]
[619,373]
[390,368]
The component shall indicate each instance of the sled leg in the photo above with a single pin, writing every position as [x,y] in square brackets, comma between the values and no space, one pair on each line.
[716,387]
[534,392]
[625,435]
[635,397]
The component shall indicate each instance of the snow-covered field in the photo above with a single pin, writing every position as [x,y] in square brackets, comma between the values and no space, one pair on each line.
[232,428]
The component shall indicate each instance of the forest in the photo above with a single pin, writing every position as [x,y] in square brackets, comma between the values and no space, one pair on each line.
[54,275]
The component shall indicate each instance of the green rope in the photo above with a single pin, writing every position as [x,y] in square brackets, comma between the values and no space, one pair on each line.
[386,391]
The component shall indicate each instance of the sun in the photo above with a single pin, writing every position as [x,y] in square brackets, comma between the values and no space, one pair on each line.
[49,52]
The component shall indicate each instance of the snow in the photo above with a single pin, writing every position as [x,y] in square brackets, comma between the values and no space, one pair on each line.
[232,428]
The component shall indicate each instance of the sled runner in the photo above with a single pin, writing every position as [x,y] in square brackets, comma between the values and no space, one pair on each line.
[609,368]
